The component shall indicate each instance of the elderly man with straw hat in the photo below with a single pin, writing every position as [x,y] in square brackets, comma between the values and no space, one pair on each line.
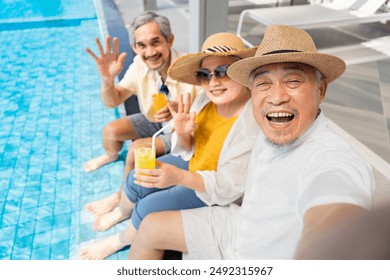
[303,179]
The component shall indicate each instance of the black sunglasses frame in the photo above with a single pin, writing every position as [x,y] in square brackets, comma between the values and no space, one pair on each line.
[205,75]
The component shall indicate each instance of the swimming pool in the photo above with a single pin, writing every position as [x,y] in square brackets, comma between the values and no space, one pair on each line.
[51,117]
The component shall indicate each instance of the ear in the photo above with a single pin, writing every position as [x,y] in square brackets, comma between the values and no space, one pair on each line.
[170,41]
[134,48]
[323,86]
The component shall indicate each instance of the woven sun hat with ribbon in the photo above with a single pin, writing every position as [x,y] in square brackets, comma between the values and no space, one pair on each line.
[287,44]
[220,44]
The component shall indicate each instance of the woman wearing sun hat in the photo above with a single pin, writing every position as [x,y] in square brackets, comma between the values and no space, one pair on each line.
[216,134]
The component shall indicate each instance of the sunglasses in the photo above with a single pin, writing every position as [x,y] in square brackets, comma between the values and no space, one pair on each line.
[203,76]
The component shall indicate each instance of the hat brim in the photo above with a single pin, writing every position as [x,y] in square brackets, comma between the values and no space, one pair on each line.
[330,66]
[183,68]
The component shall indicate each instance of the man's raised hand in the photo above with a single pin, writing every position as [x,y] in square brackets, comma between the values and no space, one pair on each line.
[110,63]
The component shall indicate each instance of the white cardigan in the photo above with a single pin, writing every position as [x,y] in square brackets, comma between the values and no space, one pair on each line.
[227,183]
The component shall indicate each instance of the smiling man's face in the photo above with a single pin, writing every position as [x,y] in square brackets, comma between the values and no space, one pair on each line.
[286,98]
[152,47]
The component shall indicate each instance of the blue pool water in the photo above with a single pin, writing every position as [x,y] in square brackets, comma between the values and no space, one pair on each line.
[51,118]
[39,9]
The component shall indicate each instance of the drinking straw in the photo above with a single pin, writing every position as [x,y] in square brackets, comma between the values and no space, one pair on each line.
[154,137]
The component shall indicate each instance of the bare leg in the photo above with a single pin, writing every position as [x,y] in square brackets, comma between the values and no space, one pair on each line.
[99,161]
[158,232]
[114,135]
[108,246]
[104,205]
[117,215]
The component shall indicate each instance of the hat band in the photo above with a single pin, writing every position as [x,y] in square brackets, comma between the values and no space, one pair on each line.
[220,49]
[281,51]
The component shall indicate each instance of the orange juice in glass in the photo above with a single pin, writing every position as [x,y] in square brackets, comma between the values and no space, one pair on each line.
[159,101]
[145,157]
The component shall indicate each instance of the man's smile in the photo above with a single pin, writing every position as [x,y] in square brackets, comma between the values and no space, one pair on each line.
[280,117]
[154,58]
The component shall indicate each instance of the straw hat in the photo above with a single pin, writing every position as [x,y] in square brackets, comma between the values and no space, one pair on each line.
[287,44]
[220,44]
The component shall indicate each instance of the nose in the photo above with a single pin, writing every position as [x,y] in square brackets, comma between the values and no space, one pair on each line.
[214,80]
[279,95]
[150,51]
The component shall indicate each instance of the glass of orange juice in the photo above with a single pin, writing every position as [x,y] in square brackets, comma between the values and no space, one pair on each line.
[145,157]
[159,101]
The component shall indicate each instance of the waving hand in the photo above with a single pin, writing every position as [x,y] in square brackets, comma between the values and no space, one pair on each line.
[184,120]
[110,63]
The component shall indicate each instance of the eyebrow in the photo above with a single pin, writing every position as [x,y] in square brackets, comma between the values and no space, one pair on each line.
[295,66]
[259,73]
[154,39]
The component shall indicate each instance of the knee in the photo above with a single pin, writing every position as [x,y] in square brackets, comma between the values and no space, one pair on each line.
[111,130]
[135,143]
[143,209]
[140,142]
[152,226]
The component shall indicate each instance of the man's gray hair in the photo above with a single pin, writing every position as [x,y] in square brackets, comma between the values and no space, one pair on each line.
[147,17]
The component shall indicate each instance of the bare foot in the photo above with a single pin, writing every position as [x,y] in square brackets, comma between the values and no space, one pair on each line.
[98,162]
[102,249]
[104,205]
[110,219]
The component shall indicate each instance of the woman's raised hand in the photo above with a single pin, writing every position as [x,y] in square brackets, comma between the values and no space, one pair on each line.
[184,120]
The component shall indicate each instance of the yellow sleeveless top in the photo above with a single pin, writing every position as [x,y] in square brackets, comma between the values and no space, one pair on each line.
[209,137]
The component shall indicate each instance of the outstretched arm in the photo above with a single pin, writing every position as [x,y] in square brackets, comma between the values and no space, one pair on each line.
[110,64]
[320,220]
